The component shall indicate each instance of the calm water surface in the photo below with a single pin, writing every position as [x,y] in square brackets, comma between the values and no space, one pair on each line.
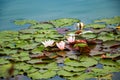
[43,10]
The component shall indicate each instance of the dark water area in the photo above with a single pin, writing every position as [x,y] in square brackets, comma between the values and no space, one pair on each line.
[44,10]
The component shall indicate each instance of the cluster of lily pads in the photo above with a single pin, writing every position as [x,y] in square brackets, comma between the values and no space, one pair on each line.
[52,48]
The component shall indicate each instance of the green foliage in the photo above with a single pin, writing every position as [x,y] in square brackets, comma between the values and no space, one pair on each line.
[80,45]
[29,55]
[72,62]
[64,22]
[23,56]
[3,61]
[89,35]
[28,31]
[74,69]
[106,36]
[84,76]
[22,66]
[42,26]
[95,26]
[4,70]
[64,73]
[23,22]
[114,20]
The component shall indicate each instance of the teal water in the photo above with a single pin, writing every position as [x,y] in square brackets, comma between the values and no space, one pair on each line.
[43,10]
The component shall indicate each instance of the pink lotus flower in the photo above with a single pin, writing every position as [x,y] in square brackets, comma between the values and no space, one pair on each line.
[61,45]
[71,39]
[48,43]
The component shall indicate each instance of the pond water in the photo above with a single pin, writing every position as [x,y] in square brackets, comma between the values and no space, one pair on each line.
[43,10]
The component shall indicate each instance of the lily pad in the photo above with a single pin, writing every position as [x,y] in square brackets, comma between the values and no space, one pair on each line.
[4,70]
[37,61]
[3,61]
[88,61]
[64,22]
[8,51]
[108,62]
[38,75]
[74,69]
[42,26]
[89,35]
[72,62]
[28,31]
[38,50]
[23,22]
[85,76]
[48,74]
[114,20]
[35,75]
[25,36]
[80,45]
[29,46]
[95,26]
[52,66]
[22,66]
[106,36]
[64,73]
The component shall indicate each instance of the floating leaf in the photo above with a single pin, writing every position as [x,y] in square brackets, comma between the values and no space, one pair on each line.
[23,56]
[8,51]
[48,74]
[72,62]
[29,46]
[105,36]
[42,26]
[64,73]
[74,69]
[114,20]
[89,35]
[25,36]
[23,22]
[31,70]
[35,75]
[37,61]
[40,66]
[52,66]
[3,61]
[107,62]
[64,22]
[84,76]
[4,70]
[22,66]
[28,31]
[88,61]
[80,45]
[95,25]
[38,50]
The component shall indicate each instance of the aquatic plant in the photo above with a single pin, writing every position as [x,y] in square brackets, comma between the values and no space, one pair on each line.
[61,45]
[71,39]
[94,52]
[48,43]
